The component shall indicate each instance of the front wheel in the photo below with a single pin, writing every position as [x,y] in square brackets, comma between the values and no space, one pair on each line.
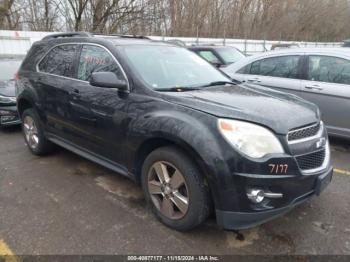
[175,189]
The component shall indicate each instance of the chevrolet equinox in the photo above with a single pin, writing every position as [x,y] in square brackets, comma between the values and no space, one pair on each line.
[161,115]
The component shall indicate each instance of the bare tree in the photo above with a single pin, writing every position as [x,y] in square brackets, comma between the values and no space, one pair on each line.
[41,15]
[260,19]
[9,16]
[77,7]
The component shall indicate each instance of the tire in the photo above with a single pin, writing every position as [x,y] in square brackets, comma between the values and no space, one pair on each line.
[192,188]
[34,134]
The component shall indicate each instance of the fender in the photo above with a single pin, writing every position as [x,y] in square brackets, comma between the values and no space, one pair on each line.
[197,135]
[25,92]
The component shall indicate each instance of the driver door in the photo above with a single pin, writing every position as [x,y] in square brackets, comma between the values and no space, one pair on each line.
[99,113]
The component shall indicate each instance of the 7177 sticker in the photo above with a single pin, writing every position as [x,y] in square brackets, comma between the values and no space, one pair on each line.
[278,168]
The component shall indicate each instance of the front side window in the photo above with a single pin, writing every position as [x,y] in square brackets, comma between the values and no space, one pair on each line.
[329,69]
[209,56]
[59,61]
[282,66]
[245,69]
[163,67]
[96,59]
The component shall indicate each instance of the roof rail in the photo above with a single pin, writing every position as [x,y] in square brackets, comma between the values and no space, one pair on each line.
[122,36]
[205,44]
[71,34]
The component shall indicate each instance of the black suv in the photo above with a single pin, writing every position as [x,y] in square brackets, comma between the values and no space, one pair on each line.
[166,118]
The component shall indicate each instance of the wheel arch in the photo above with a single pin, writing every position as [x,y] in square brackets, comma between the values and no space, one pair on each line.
[154,143]
[23,104]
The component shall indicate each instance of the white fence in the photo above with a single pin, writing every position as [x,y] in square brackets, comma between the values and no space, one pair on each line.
[18,42]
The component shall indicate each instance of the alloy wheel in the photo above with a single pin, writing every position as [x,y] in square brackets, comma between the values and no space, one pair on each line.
[30,132]
[168,190]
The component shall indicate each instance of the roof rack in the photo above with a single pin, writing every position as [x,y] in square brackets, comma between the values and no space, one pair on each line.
[86,34]
[71,34]
[122,36]
[205,44]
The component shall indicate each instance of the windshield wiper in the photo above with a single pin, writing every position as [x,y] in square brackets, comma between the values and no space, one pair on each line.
[177,89]
[199,87]
[219,83]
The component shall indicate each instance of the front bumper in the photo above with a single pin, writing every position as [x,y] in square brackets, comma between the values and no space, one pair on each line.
[262,213]
[9,116]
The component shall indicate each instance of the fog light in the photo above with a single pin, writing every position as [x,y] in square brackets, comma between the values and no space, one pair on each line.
[256,195]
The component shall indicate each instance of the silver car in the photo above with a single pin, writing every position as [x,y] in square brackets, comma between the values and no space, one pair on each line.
[320,75]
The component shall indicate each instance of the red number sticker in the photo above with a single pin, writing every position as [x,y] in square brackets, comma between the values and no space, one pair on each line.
[278,168]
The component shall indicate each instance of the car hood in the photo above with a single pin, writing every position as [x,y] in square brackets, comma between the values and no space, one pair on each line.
[7,88]
[278,111]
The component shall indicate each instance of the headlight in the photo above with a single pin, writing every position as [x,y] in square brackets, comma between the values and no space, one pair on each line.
[7,99]
[252,140]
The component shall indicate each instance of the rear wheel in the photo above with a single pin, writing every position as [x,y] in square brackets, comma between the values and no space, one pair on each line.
[175,189]
[34,134]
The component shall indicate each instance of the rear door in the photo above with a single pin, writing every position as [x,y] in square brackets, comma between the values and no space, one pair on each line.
[279,72]
[327,84]
[54,84]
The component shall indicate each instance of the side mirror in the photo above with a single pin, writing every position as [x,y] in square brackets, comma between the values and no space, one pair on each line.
[107,80]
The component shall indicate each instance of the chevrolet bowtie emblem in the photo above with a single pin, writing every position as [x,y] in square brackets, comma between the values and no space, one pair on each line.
[321,142]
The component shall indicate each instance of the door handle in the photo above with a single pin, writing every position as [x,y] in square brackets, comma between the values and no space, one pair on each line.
[75,94]
[75,91]
[314,87]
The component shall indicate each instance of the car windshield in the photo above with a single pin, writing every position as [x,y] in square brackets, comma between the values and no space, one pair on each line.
[163,67]
[230,55]
[9,68]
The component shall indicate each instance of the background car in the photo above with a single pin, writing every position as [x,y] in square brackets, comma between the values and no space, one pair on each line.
[8,108]
[219,56]
[320,75]
[177,42]
[283,46]
[346,43]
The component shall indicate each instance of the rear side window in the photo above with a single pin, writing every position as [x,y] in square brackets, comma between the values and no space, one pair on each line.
[59,61]
[97,59]
[329,69]
[282,66]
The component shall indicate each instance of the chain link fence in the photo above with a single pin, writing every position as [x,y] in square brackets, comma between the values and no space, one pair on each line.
[14,43]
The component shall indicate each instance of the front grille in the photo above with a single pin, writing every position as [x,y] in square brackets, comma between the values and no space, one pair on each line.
[312,160]
[305,132]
